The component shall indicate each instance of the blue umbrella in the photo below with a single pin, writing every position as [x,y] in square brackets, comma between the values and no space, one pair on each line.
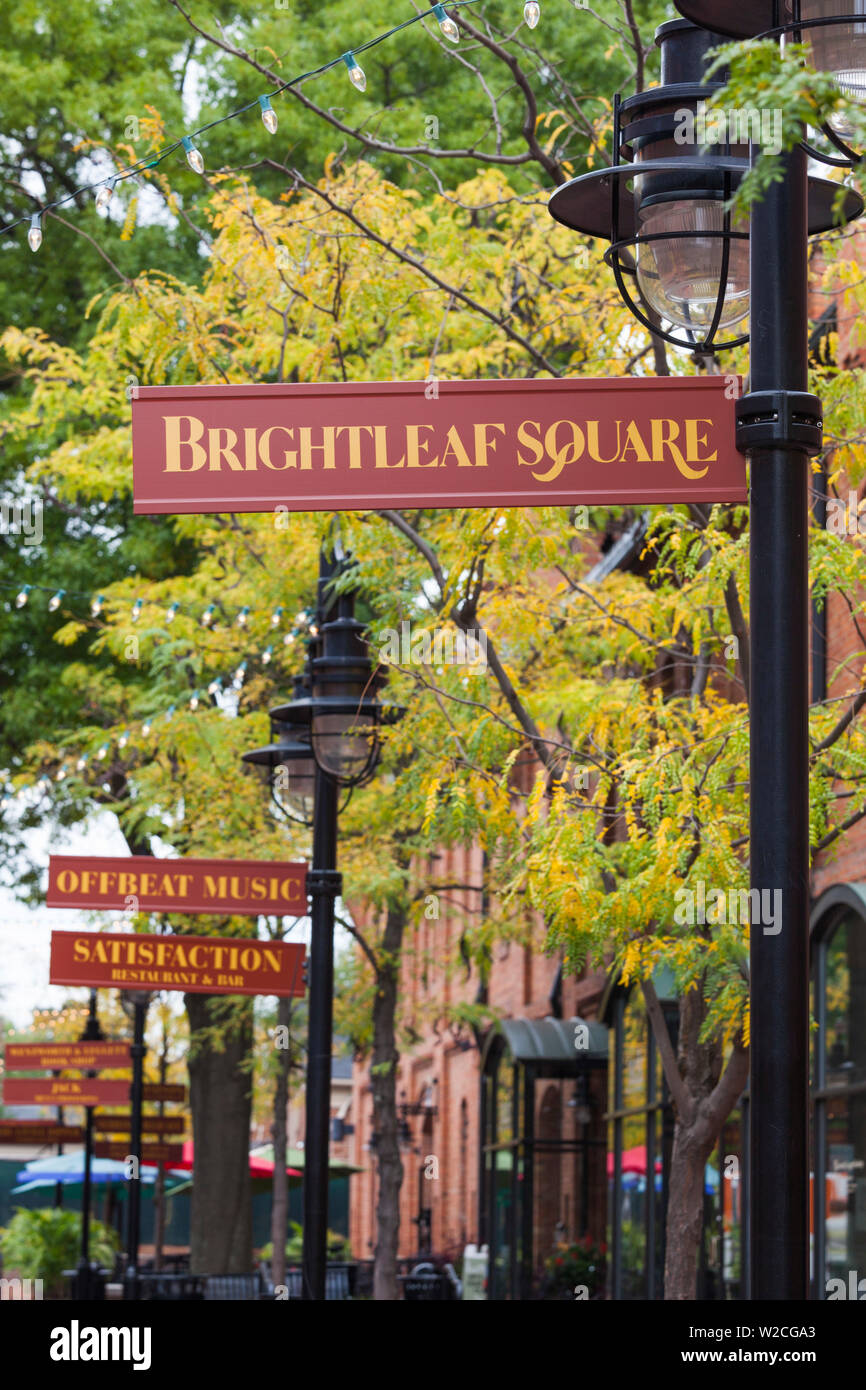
[69,1168]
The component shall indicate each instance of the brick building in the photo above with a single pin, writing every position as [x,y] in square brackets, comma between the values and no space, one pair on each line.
[518,1139]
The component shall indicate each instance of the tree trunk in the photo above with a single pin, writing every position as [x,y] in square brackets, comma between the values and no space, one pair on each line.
[221,1238]
[685,1211]
[383,1077]
[280,1199]
[704,1094]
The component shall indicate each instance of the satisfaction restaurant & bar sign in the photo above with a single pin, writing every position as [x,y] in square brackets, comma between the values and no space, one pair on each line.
[194,964]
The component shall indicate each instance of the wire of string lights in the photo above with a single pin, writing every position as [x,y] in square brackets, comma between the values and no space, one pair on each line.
[104,188]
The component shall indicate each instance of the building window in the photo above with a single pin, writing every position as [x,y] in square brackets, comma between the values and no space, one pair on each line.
[839,1095]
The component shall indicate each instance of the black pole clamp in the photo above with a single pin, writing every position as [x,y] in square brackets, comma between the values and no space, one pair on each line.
[780,420]
[324,883]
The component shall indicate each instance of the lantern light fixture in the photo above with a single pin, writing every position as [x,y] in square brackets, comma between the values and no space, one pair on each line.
[665,204]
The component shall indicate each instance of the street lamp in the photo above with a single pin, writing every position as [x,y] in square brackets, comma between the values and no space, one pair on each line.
[289,759]
[834,30]
[689,268]
[337,721]
[663,204]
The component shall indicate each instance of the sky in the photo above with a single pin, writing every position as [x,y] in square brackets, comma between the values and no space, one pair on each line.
[25,933]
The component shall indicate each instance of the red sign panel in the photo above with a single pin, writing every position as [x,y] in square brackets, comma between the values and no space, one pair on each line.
[24,1091]
[148,1153]
[194,964]
[242,886]
[39,1132]
[82,1056]
[150,1124]
[344,446]
[163,1090]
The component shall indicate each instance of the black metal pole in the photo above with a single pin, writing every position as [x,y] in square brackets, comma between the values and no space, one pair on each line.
[323,886]
[782,424]
[133,1215]
[85,1283]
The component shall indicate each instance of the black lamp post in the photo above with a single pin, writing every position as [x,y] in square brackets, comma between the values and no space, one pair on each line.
[333,723]
[88,1282]
[134,1004]
[663,211]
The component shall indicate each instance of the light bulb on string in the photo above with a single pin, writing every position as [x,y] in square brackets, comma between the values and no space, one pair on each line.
[22,596]
[356,73]
[170,612]
[193,156]
[169,712]
[193,700]
[207,615]
[276,617]
[34,235]
[267,655]
[242,616]
[239,675]
[288,639]
[531,13]
[215,687]
[55,600]
[97,606]
[61,776]
[269,115]
[123,739]
[146,727]
[446,24]
[82,763]
[136,610]
[102,754]
[105,193]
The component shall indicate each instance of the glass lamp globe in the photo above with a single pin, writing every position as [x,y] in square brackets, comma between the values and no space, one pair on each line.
[680,276]
[837,48]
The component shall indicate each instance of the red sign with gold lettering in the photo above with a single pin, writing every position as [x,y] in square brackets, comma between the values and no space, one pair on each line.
[24,1090]
[194,964]
[148,1153]
[242,886]
[343,446]
[79,1056]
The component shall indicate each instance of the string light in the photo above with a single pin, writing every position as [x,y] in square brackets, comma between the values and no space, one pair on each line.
[446,24]
[276,617]
[239,675]
[55,601]
[105,193]
[215,687]
[357,75]
[193,700]
[146,727]
[267,656]
[82,763]
[171,611]
[193,156]
[187,142]
[97,606]
[269,115]
[135,613]
[207,615]
[531,13]
[242,616]
[123,740]
[22,596]
[103,752]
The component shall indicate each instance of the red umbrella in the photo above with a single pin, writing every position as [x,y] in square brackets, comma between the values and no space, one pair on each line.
[259,1167]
